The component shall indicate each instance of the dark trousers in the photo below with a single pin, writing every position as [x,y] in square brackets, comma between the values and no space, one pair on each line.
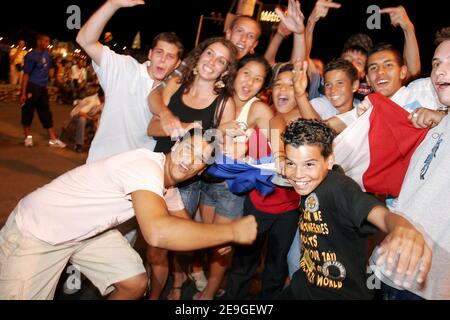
[279,229]
[37,98]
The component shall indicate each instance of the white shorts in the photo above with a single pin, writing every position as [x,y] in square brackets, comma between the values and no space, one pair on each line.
[30,268]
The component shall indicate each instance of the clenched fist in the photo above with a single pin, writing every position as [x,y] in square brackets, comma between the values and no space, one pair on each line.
[244,230]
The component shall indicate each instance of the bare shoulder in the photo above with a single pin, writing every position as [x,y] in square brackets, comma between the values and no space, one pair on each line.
[260,107]
[277,122]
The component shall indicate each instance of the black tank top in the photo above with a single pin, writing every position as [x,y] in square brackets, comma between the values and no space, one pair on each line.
[185,114]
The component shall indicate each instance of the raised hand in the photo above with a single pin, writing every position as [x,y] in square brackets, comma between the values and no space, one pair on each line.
[399,17]
[283,30]
[294,20]
[321,9]
[300,79]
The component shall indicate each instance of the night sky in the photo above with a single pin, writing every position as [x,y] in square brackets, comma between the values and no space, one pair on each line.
[22,18]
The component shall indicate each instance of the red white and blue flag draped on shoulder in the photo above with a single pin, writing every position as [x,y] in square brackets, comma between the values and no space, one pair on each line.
[376,149]
[243,177]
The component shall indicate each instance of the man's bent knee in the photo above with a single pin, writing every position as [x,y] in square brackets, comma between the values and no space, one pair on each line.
[132,288]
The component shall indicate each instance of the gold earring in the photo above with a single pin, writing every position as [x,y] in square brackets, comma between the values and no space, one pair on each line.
[219,84]
[195,70]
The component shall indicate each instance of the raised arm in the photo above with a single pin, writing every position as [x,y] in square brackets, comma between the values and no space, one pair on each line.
[275,42]
[411,54]
[159,229]
[300,83]
[89,35]
[404,240]
[320,11]
[294,21]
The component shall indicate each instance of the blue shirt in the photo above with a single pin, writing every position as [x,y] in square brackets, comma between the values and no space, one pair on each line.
[37,65]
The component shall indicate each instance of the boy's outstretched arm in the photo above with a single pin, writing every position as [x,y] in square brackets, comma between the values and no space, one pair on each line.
[402,239]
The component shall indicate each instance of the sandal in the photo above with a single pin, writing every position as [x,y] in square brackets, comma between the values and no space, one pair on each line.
[176,289]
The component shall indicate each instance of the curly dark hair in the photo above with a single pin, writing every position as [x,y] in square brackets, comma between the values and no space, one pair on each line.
[343,65]
[187,78]
[267,68]
[310,132]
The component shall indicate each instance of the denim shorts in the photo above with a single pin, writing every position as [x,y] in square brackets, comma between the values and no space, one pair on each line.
[217,195]
[190,194]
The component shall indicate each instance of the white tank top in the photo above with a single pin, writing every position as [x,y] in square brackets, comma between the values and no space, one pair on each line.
[243,118]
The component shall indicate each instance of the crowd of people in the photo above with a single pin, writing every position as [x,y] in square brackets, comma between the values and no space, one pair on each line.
[166,123]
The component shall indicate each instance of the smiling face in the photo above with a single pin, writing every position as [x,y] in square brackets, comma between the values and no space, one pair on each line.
[384,73]
[440,74]
[244,35]
[164,59]
[306,167]
[188,158]
[339,89]
[214,61]
[283,92]
[249,80]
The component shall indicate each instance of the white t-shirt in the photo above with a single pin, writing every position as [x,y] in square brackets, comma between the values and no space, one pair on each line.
[419,93]
[324,107]
[92,198]
[424,202]
[126,115]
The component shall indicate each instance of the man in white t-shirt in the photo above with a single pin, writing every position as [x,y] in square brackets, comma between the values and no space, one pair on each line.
[126,83]
[422,199]
[71,219]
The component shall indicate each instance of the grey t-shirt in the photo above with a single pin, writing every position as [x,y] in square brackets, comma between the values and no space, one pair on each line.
[425,202]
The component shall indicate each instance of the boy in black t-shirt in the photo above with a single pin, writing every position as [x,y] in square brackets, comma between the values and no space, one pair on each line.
[336,216]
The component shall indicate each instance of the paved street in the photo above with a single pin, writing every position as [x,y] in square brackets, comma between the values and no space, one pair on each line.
[22,170]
